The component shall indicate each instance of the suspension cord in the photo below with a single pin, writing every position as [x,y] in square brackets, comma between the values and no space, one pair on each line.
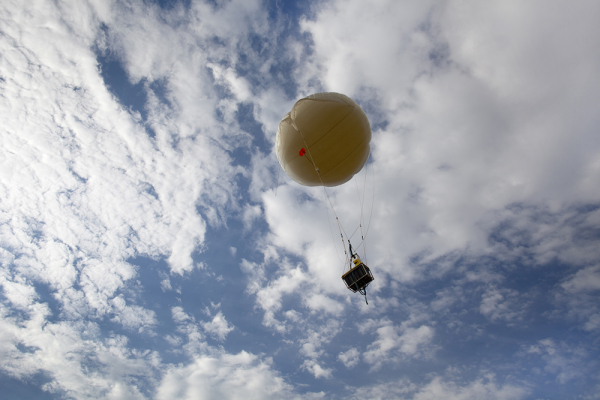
[364,236]
[372,199]
[361,202]
[341,229]
[333,239]
[340,226]
[354,232]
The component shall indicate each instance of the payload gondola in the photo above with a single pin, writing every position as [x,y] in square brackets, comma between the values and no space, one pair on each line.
[359,276]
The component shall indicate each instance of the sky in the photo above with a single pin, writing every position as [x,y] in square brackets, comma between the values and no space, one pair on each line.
[151,247]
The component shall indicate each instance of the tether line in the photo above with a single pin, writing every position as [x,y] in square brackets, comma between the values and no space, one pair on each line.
[311,160]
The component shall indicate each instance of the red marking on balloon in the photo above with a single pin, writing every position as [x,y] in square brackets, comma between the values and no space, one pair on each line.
[302,152]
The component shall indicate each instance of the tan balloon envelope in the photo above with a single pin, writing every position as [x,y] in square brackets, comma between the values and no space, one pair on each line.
[335,133]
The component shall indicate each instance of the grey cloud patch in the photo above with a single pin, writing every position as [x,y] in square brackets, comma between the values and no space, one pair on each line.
[577,298]
[501,304]
[542,235]
[562,361]
[584,280]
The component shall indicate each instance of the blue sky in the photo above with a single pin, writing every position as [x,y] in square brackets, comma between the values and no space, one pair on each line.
[151,247]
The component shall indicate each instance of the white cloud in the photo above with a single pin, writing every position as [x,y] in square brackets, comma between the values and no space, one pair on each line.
[312,348]
[269,296]
[317,370]
[439,388]
[379,49]
[63,352]
[578,297]
[413,339]
[84,188]
[224,376]
[504,304]
[485,388]
[165,285]
[563,361]
[537,235]
[350,358]
[311,345]
[293,315]
[587,279]
[251,214]
[132,317]
[79,168]
[395,389]
[446,298]
[227,76]
[179,316]
[397,343]
[18,292]
[383,305]
[321,303]
[593,322]
[218,327]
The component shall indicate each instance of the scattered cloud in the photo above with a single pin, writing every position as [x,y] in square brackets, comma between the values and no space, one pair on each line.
[231,376]
[350,358]
[311,347]
[395,343]
[136,165]
[584,280]
[562,361]
[485,388]
[218,327]
[502,304]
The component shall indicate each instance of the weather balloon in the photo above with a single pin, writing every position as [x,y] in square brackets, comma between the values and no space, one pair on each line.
[324,140]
